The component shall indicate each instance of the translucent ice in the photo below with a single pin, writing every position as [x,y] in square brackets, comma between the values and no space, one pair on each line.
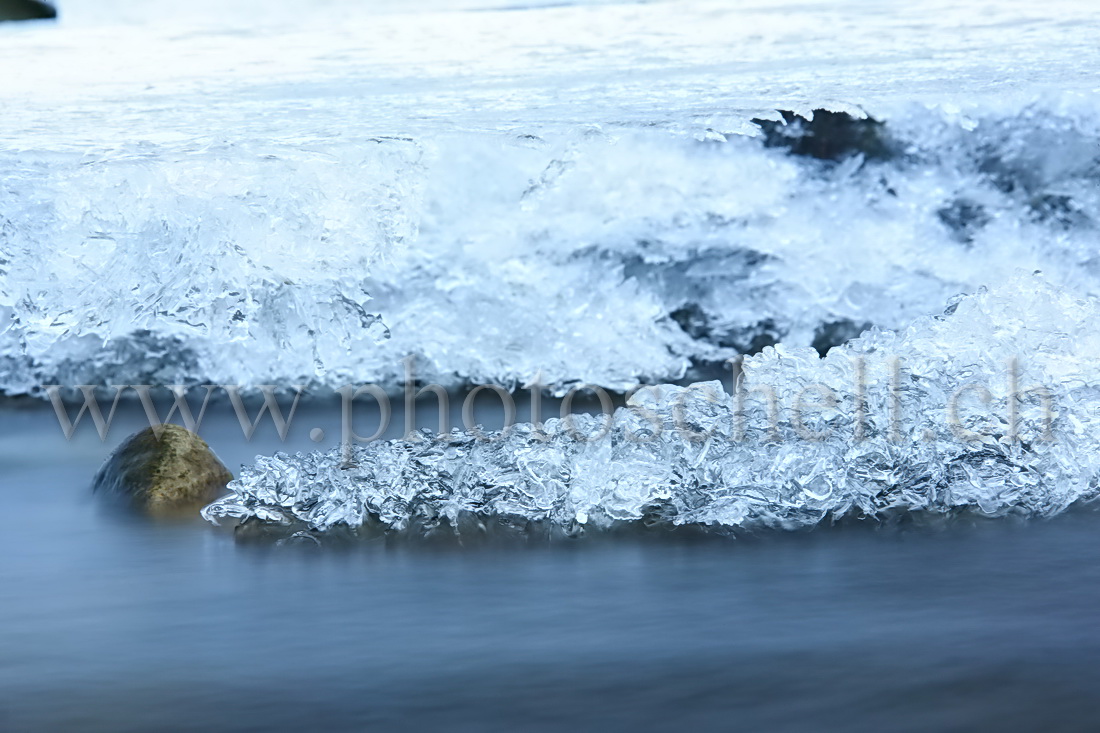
[195,264]
[893,422]
[257,198]
[602,257]
[627,255]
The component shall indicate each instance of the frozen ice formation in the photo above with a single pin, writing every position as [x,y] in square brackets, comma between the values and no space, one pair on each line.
[626,256]
[604,257]
[889,424]
[147,268]
[512,191]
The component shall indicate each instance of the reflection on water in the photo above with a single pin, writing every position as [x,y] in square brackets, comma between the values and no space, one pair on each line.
[113,624]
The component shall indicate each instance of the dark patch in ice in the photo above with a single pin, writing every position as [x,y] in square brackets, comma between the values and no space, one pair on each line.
[754,338]
[747,340]
[828,136]
[1058,208]
[699,264]
[964,218]
[693,320]
[837,333]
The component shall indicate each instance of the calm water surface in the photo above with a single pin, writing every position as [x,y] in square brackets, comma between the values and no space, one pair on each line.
[109,624]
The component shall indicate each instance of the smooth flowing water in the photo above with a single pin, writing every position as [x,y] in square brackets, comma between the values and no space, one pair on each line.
[108,623]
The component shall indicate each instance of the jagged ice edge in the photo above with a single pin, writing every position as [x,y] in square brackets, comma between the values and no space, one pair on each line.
[639,473]
[619,255]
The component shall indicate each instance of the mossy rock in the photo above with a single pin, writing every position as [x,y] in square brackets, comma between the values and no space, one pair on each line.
[173,474]
[26,10]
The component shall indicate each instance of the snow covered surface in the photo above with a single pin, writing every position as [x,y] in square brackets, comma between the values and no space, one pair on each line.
[275,194]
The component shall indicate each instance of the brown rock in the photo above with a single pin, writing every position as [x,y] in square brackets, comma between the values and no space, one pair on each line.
[173,474]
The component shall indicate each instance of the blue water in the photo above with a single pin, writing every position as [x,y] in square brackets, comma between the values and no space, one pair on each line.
[114,624]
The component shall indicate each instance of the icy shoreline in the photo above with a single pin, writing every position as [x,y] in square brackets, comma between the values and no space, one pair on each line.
[545,199]
[685,457]
[607,258]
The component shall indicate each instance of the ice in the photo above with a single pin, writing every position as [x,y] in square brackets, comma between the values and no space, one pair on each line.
[509,192]
[629,255]
[147,266]
[699,457]
[605,257]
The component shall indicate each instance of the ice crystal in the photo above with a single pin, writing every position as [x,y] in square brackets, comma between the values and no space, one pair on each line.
[606,258]
[619,257]
[247,197]
[196,264]
[892,423]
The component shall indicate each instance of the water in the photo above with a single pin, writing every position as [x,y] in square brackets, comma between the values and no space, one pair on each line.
[113,624]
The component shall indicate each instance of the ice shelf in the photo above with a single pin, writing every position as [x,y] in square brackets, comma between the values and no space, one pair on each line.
[307,198]
[991,408]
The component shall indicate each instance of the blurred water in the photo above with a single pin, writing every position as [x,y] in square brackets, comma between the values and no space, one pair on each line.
[111,624]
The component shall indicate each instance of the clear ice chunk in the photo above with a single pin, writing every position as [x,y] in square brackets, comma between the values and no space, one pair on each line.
[919,435]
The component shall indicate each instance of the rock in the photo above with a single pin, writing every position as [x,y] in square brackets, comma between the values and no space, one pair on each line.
[828,136]
[176,473]
[26,10]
